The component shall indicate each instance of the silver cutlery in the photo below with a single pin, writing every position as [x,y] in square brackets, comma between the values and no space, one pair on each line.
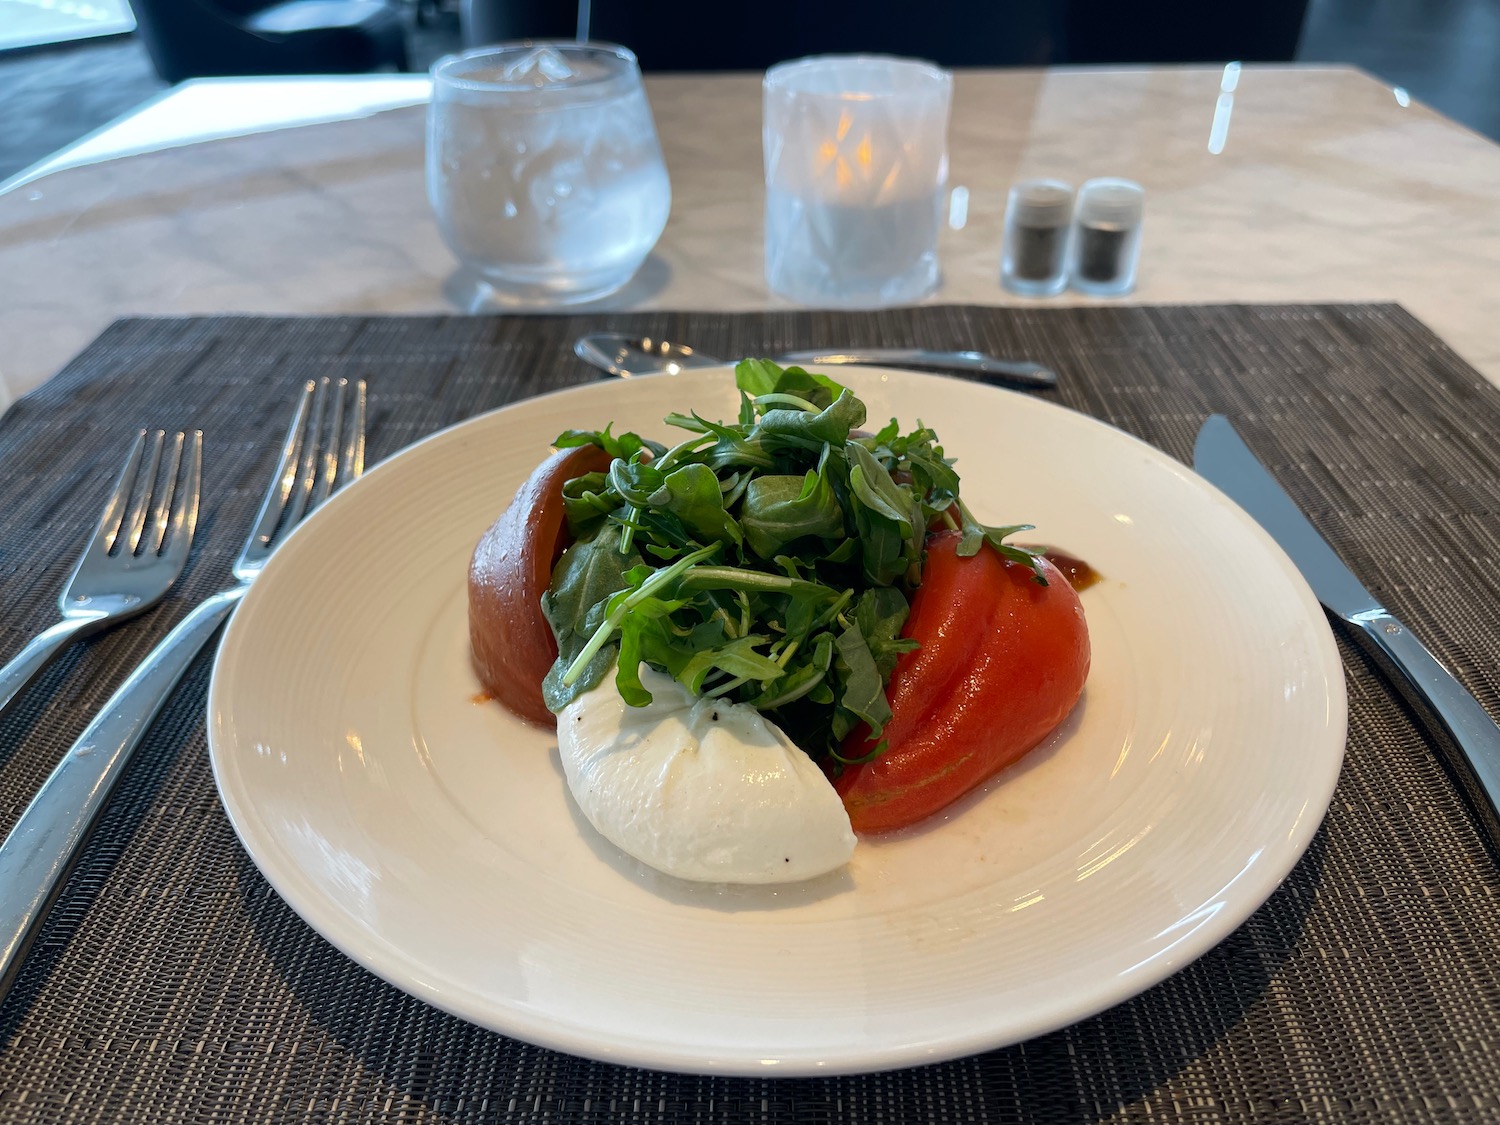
[137,552]
[1468,734]
[626,356]
[324,449]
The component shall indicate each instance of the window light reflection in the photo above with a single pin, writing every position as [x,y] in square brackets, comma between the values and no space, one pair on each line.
[1218,132]
[958,208]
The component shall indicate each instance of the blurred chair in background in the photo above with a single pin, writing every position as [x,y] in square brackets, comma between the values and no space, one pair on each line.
[203,38]
[698,35]
[690,35]
[1182,31]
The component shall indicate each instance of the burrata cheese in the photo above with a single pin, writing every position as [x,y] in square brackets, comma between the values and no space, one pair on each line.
[700,788]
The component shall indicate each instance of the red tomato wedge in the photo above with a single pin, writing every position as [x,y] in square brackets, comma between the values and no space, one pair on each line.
[1003,660]
[512,643]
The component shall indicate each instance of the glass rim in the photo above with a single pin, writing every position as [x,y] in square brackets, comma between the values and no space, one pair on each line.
[444,70]
[781,76]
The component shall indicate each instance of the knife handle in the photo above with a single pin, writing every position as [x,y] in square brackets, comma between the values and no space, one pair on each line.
[987,368]
[1471,736]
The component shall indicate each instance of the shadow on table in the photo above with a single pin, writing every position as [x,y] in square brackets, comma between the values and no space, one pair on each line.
[468,292]
[1083,1073]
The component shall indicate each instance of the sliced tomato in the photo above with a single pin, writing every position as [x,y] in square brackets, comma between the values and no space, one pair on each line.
[511,642]
[1003,660]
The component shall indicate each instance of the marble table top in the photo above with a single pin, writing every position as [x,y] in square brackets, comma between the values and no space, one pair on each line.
[1263,184]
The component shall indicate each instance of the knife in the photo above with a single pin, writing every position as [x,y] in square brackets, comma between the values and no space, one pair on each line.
[1466,732]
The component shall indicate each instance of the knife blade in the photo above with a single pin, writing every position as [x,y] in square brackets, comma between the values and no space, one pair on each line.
[1467,734]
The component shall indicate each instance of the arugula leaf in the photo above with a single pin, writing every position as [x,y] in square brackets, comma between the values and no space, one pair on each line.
[587,504]
[887,517]
[976,534]
[645,635]
[881,614]
[589,573]
[780,428]
[737,657]
[692,494]
[864,687]
[734,447]
[624,446]
[757,377]
[779,510]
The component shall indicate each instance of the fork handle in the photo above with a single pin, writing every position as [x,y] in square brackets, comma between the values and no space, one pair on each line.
[37,654]
[39,852]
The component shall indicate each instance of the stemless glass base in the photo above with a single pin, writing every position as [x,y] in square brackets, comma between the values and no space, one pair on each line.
[520,292]
[815,288]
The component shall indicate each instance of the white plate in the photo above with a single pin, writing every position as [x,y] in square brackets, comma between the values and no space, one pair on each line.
[430,836]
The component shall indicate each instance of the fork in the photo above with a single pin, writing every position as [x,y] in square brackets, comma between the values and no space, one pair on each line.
[37,855]
[131,560]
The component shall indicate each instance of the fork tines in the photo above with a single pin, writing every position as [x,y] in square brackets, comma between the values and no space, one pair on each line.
[141,512]
[323,449]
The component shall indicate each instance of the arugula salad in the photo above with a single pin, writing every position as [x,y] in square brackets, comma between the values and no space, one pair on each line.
[768,561]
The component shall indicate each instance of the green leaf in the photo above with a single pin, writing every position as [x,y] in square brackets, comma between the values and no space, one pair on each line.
[976,534]
[756,377]
[619,605]
[624,446]
[780,428]
[737,657]
[753,582]
[589,573]
[634,480]
[881,614]
[874,488]
[864,689]
[802,681]
[645,635]
[692,494]
[888,519]
[587,502]
[778,510]
[733,448]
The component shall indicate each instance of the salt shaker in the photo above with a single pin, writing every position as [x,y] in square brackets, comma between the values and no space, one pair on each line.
[1106,241]
[1033,257]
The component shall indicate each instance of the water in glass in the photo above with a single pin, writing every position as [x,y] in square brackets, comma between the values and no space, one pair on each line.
[544,169]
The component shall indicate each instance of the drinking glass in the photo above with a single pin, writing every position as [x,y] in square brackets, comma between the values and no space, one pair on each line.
[856,161]
[544,168]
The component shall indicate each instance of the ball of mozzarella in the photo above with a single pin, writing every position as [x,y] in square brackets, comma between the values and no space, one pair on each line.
[700,788]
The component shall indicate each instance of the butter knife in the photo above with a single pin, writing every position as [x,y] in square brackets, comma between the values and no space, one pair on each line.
[1466,732]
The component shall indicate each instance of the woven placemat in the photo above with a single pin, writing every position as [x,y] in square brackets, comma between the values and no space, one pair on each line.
[172,985]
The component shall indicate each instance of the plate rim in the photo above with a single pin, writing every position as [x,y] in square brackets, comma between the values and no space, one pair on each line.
[386,963]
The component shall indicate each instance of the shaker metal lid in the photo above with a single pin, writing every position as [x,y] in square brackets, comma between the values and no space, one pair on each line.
[1111,200]
[1041,203]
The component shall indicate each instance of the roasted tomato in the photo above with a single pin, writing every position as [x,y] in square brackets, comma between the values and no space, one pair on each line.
[512,643]
[1003,660]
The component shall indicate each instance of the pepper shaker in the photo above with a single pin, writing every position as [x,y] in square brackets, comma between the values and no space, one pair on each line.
[1106,242]
[1033,260]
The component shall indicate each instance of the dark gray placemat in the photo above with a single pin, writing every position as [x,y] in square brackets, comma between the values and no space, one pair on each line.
[170,984]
